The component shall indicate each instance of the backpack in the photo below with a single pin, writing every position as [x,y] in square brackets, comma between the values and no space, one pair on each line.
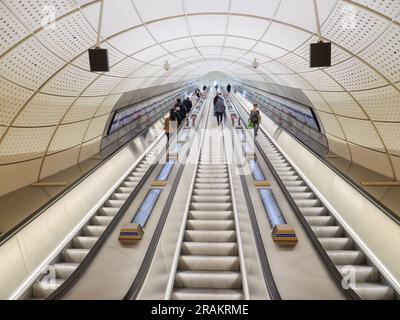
[254,117]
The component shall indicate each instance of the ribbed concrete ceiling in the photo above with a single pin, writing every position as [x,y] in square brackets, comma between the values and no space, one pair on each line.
[53,110]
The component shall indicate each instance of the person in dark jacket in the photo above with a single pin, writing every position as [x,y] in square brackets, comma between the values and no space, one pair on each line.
[219,109]
[228,88]
[187,103]
[204,88]
[180,109]
[217,96]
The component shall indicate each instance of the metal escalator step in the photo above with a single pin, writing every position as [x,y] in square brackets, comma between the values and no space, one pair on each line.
[307,202]
[314,211]
[212,175]
[294,183]
[302,195]
[208,279]
[102,220]
[210,225]
[210,215]
[211,166]
[120,196]
[208,263]
[298,189]
[328,231]
[346,257]
[133,179]
[285,173]
[211,206]
[209,236]
[211,185]
[74,255]
[107,211]
[212,180]
[211,199]
[212,171]
[320,220]
[211,192]
[290,178]
[283,168]
[42,289]
[206,294]
[362,273]
[337,243]
[129,184]
[65,269]
[82,242]
[126,190]
[209,248]
[114,203]
[374,291]
[93,231]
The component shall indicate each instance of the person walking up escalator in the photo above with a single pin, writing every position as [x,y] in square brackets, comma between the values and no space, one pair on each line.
[255,119]
[219,109]
[170,125]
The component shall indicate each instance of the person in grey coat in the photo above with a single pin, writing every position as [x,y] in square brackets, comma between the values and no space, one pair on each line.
[219,109]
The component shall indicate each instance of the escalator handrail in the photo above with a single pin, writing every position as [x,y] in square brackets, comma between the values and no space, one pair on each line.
[350,293]
[38,212]
[83,266]
[382,207]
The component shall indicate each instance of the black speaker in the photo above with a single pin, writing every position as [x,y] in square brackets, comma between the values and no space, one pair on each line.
[320,54]
[98,59]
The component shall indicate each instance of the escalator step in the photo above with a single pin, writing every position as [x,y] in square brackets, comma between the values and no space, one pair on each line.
[206,294]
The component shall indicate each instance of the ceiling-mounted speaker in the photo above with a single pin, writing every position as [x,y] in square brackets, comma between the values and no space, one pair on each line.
[98,59]
[320,54]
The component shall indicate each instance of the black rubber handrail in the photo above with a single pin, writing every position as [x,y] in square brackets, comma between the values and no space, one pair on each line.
[137,283]
[10,233]
[83,266]
[350,293]
[261,251]
[388,212]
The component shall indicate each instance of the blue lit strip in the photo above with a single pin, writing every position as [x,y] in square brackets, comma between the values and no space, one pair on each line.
[255,168]
[144,212]
[274,213]
[165,171]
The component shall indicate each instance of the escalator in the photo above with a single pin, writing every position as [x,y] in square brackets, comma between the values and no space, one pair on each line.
[350,261]
[75,252]
[209,261]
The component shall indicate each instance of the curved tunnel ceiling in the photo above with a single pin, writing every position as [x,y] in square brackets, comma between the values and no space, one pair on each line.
[53,110]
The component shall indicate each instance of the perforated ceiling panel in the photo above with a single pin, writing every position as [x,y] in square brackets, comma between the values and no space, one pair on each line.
[29,64]
[50,101]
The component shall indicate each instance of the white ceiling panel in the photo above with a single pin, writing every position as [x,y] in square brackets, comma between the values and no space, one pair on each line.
[195,6]
[247,27]
[269,50]
[176,45]
[169,29]
[301,12]
[156,9]
[117,16]
[133,40]
[284,36]
[150,54]
[207,24]
[260,8]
